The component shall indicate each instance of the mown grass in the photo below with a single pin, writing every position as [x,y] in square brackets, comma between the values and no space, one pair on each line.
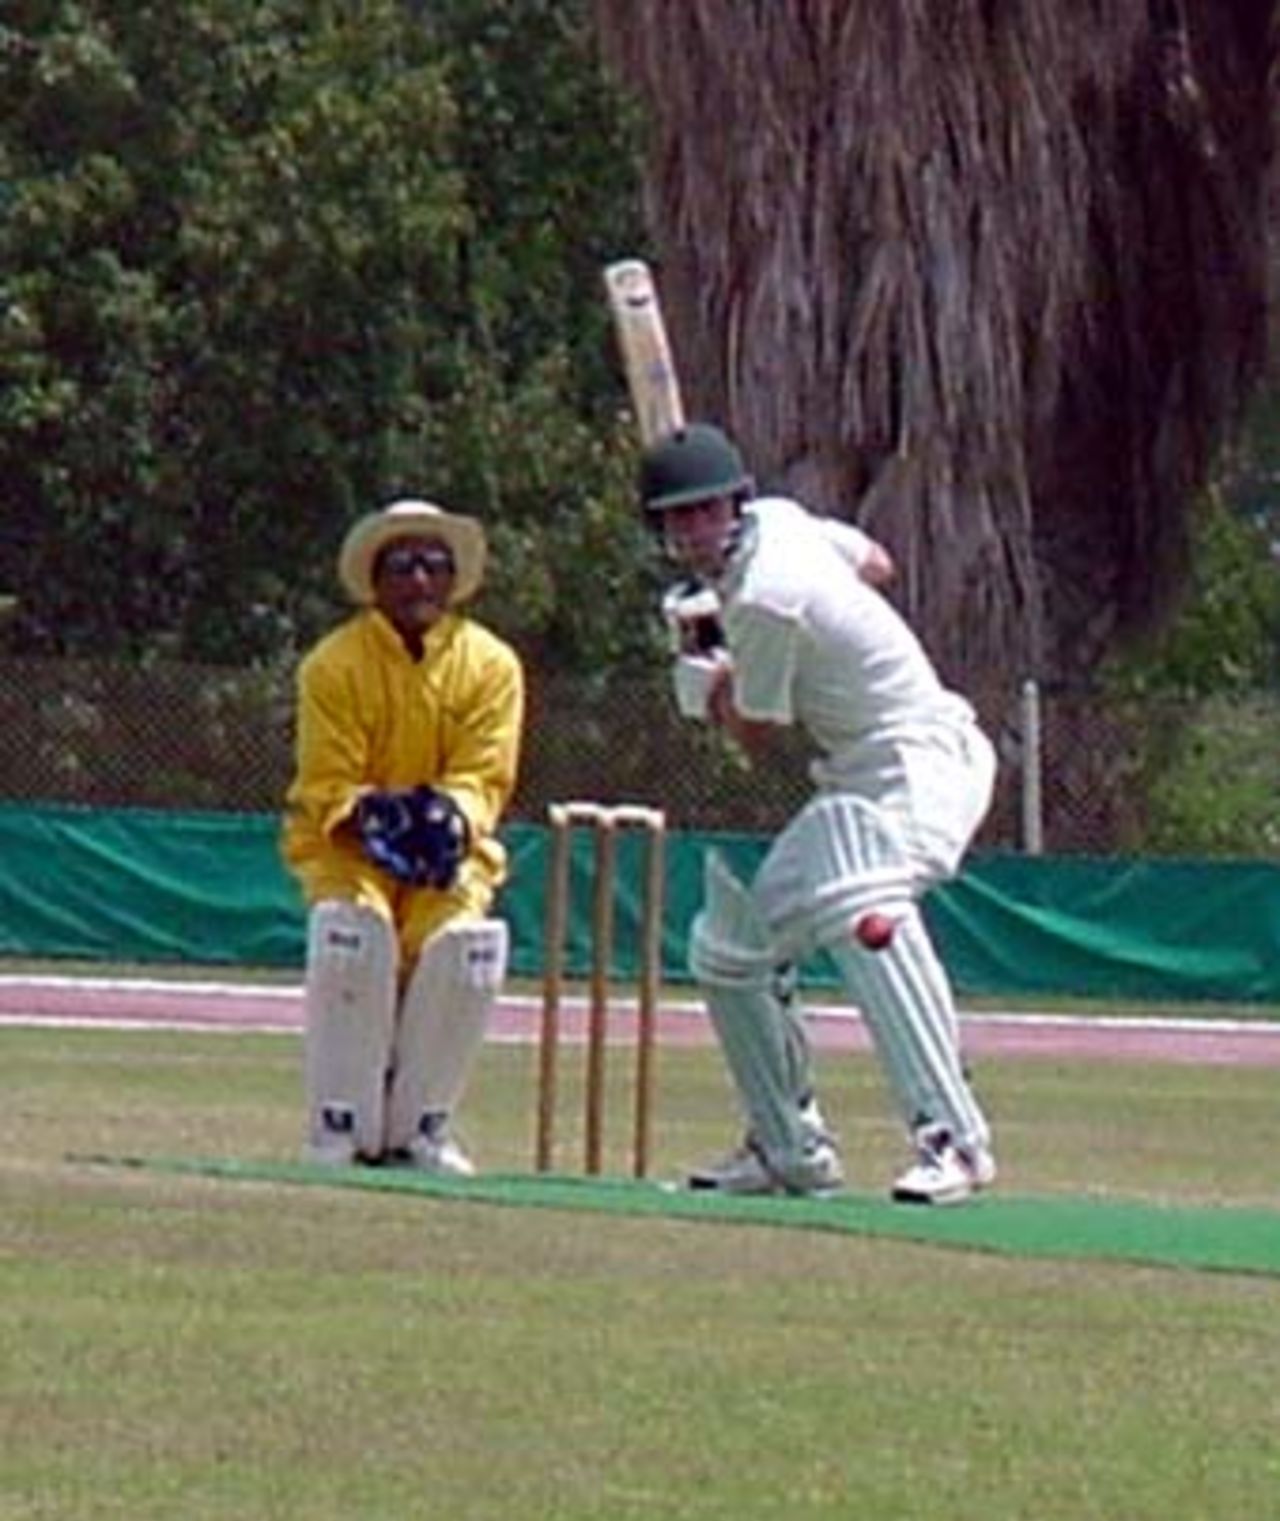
[182,1347]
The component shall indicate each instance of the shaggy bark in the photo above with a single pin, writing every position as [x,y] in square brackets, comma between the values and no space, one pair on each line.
[989,278]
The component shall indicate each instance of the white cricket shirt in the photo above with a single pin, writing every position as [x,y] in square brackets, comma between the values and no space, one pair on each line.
[814,645]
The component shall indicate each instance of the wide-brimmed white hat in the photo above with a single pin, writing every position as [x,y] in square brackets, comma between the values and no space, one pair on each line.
[410,518]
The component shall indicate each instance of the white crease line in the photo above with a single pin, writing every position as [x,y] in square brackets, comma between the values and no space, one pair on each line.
[233,992]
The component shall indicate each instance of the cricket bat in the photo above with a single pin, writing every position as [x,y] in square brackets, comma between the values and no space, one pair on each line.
[646,350]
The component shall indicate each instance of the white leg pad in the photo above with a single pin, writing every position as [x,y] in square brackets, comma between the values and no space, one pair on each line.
[838,859]
[443,1017]
[905,997]
[350,1005]
[733,961]
[800,1072]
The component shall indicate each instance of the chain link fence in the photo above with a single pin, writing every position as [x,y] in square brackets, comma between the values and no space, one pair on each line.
[1079,772]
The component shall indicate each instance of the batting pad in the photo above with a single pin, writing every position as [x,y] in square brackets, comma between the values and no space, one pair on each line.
[906,1002]
[729,954]
[1204,1238]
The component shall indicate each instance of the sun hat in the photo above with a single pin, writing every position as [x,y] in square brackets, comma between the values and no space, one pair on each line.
[410,518]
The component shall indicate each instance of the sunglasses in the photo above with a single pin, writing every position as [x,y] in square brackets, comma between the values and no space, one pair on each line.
[404,560]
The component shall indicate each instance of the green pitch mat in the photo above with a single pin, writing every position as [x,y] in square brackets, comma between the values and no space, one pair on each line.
[1211,1238]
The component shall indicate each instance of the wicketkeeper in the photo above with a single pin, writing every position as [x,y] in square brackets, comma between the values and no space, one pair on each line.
[409,717]
[783,626]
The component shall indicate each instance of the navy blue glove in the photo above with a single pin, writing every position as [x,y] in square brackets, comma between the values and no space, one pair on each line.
[419,836]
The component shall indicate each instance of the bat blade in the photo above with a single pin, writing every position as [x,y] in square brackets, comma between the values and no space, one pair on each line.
[645,347]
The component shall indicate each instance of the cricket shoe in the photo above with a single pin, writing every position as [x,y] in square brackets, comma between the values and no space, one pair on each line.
[746,1170]
[335,1143]
[944,1173]
[435,1150]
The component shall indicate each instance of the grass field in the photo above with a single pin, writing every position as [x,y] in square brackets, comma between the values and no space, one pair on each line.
[180,1347]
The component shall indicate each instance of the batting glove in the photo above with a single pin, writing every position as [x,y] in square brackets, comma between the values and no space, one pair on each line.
[692,614]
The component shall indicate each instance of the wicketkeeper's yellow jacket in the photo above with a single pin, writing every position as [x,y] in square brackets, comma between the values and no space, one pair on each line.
[370,717]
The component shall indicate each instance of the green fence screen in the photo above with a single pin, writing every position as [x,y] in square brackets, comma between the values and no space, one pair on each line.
[136,886]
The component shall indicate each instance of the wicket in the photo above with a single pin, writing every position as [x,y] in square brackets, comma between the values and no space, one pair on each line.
[604,821]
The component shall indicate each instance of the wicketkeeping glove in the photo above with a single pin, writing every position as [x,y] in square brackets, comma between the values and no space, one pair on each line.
[419,836]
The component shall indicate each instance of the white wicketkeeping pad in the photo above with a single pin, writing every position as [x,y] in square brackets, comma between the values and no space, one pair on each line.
[350,1013]
[443,1016]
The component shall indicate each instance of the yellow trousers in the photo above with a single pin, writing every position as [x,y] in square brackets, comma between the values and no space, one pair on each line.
[415,913]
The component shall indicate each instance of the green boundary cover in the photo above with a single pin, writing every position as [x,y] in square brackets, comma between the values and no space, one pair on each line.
[137,885]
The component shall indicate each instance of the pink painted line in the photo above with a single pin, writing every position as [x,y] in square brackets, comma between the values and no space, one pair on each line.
[141,1004]
[91,1001]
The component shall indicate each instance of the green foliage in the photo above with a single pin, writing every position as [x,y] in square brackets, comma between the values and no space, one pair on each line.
[573,570]
[1226,635]
[267,264]
[1210,774]
[1212,785]
[547,155]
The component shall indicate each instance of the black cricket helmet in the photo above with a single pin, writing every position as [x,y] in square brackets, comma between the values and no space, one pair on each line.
[692,464]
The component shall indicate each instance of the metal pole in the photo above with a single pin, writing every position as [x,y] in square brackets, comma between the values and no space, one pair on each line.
[1032,761]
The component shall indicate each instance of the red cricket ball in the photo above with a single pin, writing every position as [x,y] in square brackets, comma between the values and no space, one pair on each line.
[874,931]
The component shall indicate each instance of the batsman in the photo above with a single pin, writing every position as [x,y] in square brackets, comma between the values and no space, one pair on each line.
[782,624]
[408,725]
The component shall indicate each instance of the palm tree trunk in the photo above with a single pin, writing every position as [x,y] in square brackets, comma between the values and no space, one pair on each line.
[989,278]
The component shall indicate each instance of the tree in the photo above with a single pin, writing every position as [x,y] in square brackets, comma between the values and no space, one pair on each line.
[268,263]
[211,262]
[990,279]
